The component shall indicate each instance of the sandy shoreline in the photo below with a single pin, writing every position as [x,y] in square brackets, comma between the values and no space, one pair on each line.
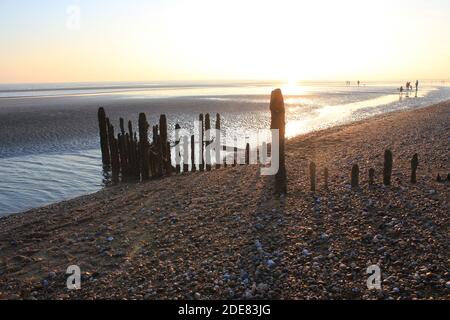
[221,235]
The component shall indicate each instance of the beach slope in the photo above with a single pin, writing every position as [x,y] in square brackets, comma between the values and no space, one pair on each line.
[222,235]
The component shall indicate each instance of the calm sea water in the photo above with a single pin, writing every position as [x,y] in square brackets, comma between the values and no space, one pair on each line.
[49,148]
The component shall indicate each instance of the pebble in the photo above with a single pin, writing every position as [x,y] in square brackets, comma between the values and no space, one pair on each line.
[197,296]
[109,239]
[270,263]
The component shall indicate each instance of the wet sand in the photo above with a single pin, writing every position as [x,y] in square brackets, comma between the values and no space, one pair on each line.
[222,235]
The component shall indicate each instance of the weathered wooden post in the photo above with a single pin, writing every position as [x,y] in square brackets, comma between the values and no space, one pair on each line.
[325,178]
[414,165]
[371,176]
[387,169]
[278,122]
[122,156]
[247,154]
[194,167]
[312,176]
[208,142]
[115,162]
[235,154]
[355,177]
[169,167]
[218,141]
[177,148]
[185,154]
[201,148]
[144,147]
[165,148]
[104,143]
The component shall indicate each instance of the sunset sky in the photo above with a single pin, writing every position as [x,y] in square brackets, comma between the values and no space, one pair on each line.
[141,40]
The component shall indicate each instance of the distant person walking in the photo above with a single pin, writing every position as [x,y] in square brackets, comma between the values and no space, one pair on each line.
[417,85]
[359,82]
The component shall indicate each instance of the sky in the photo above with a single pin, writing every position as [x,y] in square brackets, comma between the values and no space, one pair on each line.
[46,41]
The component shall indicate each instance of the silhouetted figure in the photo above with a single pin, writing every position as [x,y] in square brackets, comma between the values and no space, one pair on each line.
[359,82]
[417,85]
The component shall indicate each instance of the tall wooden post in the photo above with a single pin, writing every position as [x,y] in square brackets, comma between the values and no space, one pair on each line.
[207,142]
[218,141]
[247,154]
[113,146]
[144,147]
[104,143]
[201,158]
[278,122]
[193,166]
[177,148]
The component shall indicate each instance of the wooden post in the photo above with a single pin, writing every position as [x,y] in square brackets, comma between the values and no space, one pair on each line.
[312,176]
[218,142]
[122,156]
[137,168]
[235,155]
[278,122]
[355,176]
[168,160]
[185,154]
[144,147]
[167,165]
[133,163]
[115,162]
[194,167]
[201,158]
[387,170]
[177,148]
[325,178]
[371,176]
[207,142]
[414,165]
[104,143]
[247,154]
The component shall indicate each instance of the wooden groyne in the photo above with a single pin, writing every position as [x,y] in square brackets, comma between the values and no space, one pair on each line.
[132,156]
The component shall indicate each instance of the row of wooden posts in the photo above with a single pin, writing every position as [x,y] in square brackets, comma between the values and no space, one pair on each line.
[130,157]
[355,172]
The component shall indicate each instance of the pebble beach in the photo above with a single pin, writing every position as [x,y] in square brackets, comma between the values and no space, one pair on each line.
[224,235]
